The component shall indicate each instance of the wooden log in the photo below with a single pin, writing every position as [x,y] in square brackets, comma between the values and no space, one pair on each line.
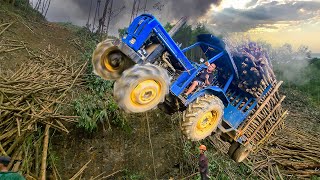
[265,120]
[275,89]
[3,152]
[44,153]
[283,116]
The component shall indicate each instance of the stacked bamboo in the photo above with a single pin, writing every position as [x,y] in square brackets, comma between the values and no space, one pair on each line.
[255,71]
[291,153]
[32,98]
[267,117]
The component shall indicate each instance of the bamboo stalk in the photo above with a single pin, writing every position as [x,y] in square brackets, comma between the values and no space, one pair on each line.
[259,109]
[6,28]
[44,153]
[80,171]
[2,150]
[264,121]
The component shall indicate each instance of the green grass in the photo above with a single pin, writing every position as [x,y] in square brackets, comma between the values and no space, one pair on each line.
[130,175]
[221,167]
[21,9]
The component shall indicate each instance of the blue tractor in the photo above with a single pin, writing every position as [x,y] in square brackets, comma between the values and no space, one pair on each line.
[152,71]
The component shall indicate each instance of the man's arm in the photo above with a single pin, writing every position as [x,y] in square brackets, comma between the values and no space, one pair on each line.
[209,78]
[207,82]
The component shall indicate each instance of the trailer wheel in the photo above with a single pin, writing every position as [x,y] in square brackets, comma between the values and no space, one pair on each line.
[241,153]
[202,117]
[141,88]
[233,148]
[108,61]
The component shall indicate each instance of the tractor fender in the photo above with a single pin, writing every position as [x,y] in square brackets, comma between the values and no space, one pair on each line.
[213,90]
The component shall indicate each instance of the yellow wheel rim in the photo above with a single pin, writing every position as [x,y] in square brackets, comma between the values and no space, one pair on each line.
[107,60]
[207,121]
[145,92]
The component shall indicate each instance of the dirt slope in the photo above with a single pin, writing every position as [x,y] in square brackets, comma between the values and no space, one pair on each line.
[34,32]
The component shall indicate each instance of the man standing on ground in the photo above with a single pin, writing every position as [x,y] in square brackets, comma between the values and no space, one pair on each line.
[4,173]
[203,163]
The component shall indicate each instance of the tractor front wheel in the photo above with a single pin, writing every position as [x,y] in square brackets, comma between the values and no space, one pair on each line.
[202,117]
[108,61]
[141,88]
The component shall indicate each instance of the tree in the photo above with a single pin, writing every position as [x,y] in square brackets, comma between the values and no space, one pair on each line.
[122,32]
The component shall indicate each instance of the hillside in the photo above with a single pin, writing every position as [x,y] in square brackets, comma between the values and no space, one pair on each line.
[96,140]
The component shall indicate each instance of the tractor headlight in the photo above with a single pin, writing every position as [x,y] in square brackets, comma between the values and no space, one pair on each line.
[132,41]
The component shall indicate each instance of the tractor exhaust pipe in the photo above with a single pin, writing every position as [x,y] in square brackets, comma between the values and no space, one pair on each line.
[178,25]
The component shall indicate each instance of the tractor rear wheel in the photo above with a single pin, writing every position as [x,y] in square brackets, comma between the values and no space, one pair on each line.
[141,88]
[108,61]
[202,117]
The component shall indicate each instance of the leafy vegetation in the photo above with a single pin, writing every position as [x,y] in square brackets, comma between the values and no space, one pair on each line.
[312,87]
[220,165]
[24,8]
[96,108]
[132,175]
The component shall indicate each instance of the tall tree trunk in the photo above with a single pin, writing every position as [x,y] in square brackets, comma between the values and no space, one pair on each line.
[103,18]
[45,14]
[96,12]
[88,21]
[109,17]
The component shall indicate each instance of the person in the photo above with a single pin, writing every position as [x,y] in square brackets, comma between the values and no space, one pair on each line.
[5,174]
[203,163]
[203,79]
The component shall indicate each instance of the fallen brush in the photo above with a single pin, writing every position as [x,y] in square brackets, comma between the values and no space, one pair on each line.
[32,97]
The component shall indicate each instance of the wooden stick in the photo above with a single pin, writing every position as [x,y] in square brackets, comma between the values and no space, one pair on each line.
[264,121]
[17,165]
[80,171]
[259,109]
[112,174]
[4,24]
[150,142]
[44,153]
[55,170]
[190,176]
[16,142]
[37,163]
[27,27]
[2,150]
[6,28]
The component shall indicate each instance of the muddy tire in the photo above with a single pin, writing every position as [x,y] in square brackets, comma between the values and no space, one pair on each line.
[108,61]
[202,117]
[141,88]
[234,146]
[241,153]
